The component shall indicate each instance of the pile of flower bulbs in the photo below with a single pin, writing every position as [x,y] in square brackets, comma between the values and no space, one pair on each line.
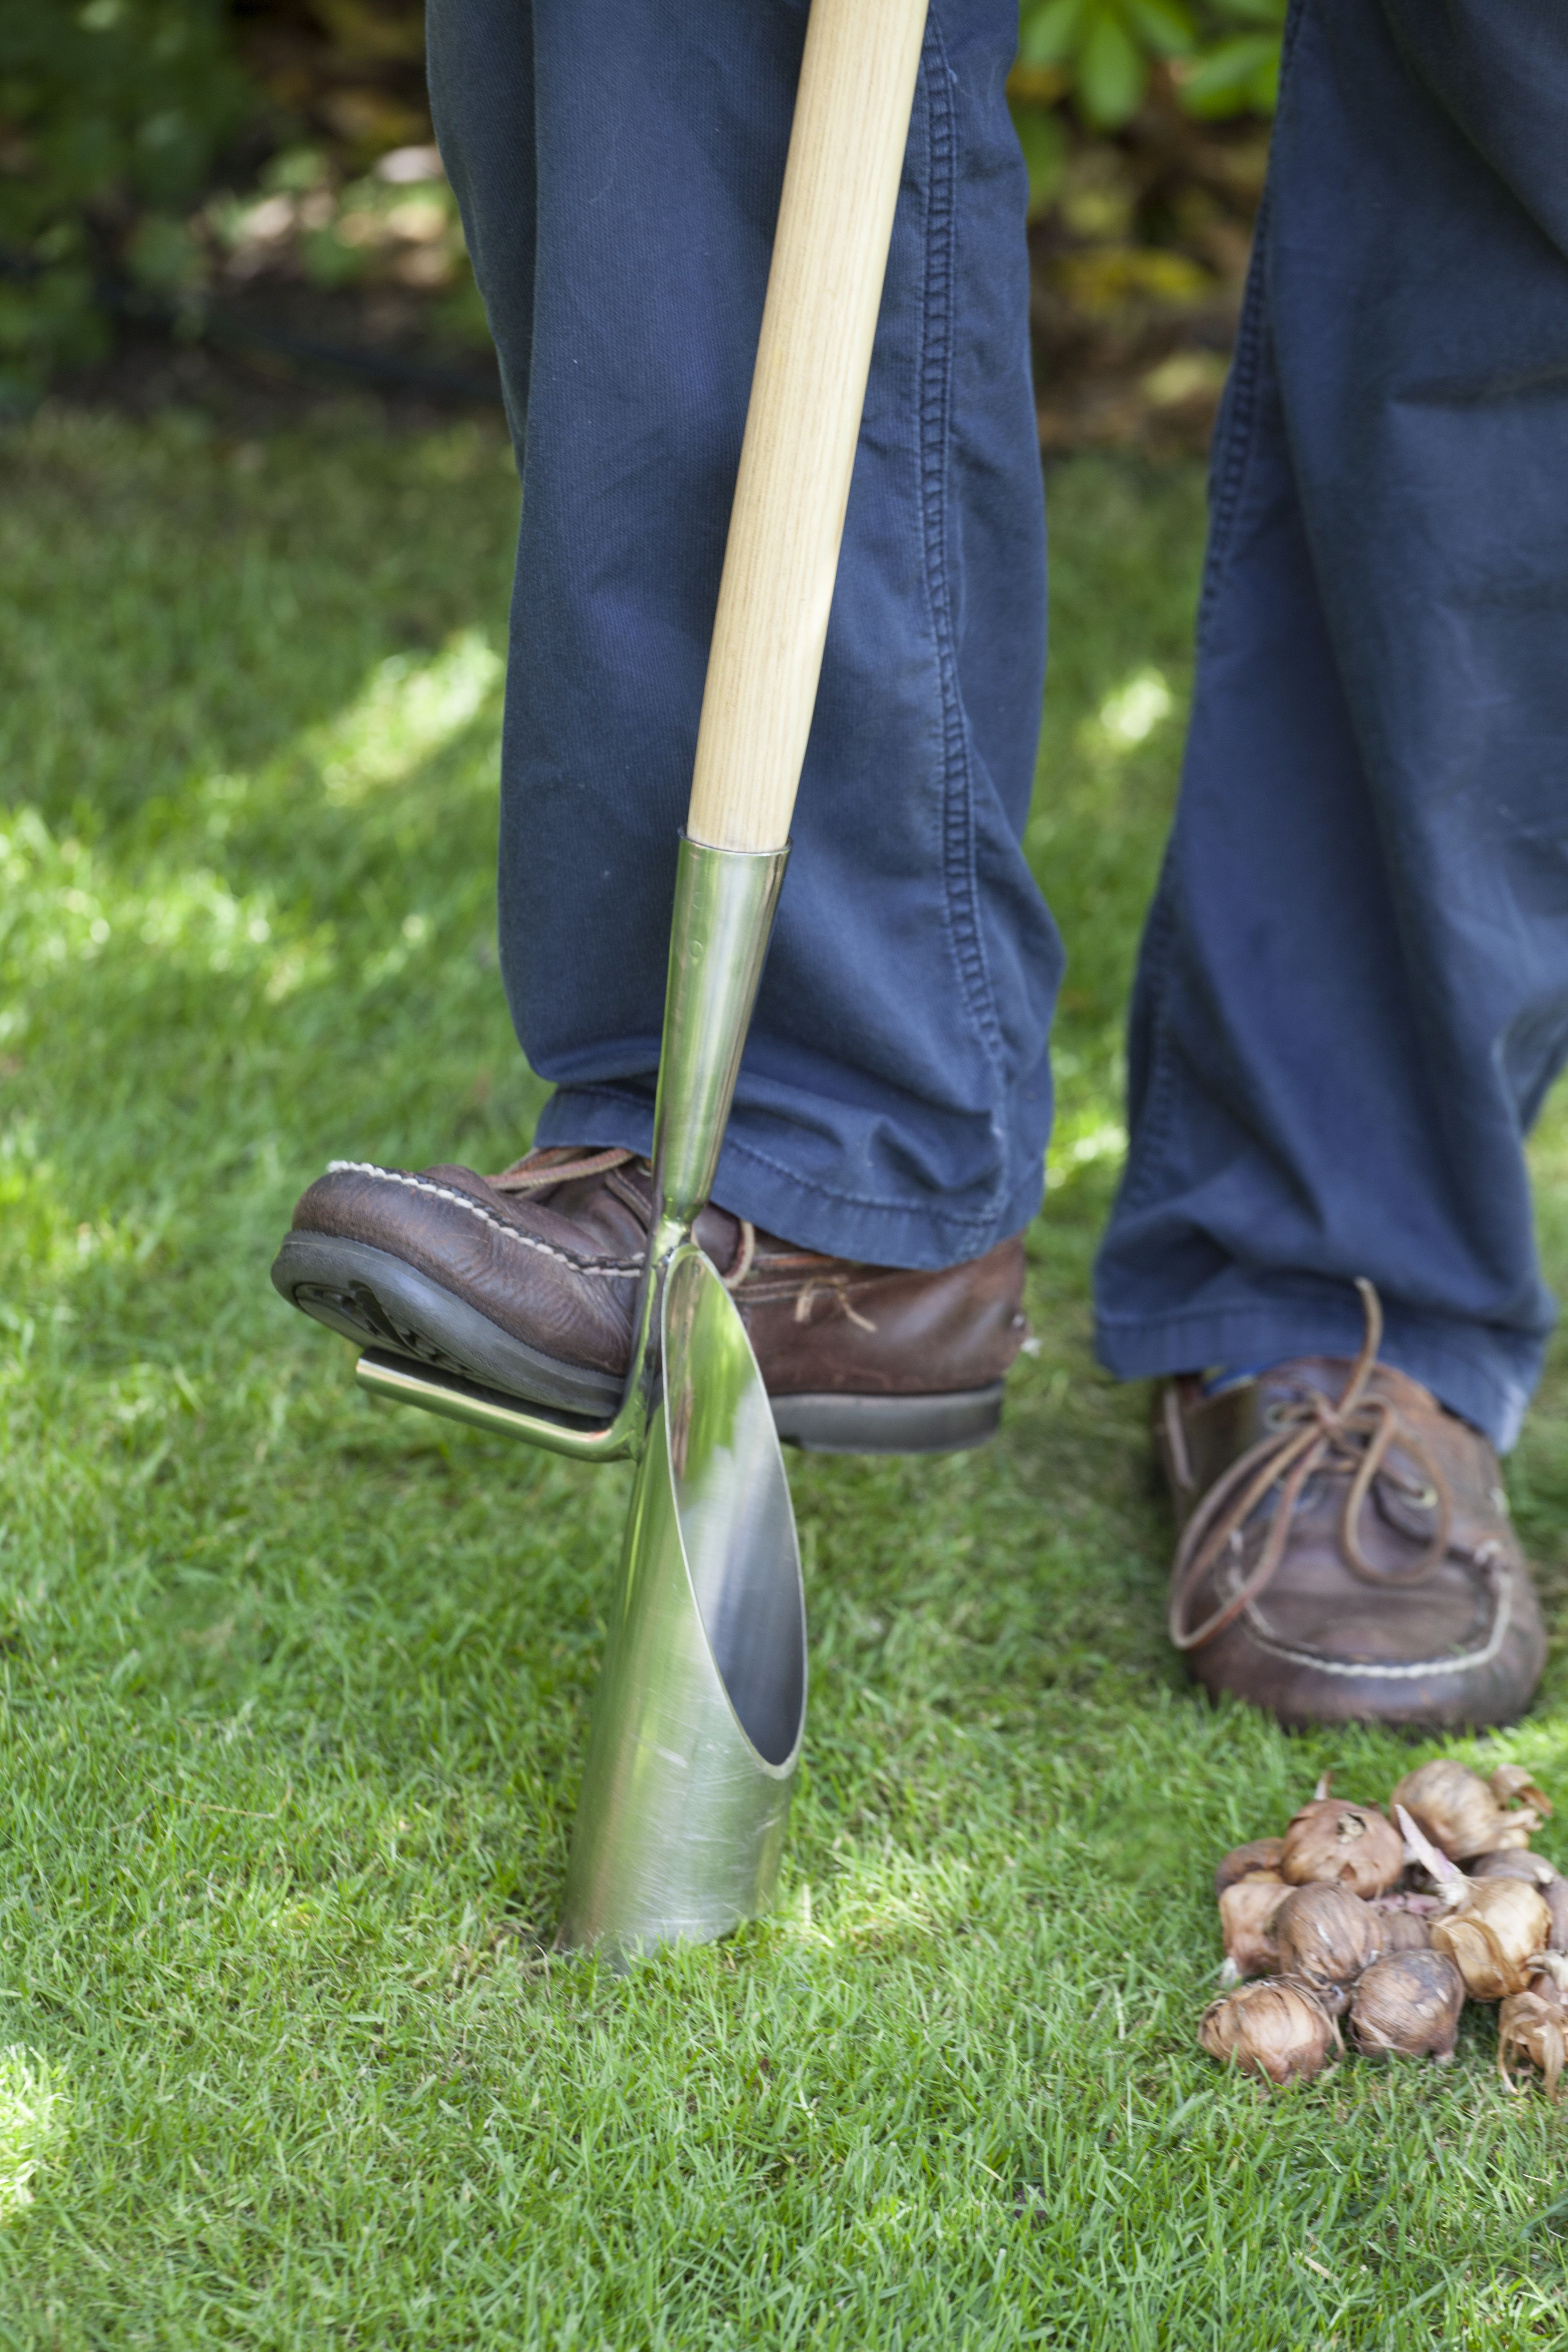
[1355,1927]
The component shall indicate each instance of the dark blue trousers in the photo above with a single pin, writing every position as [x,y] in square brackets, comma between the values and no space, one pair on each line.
[1353,990]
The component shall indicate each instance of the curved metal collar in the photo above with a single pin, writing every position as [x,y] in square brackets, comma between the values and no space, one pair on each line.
[724,905]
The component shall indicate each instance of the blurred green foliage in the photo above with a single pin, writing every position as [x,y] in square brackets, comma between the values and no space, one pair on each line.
[118,116]
[111,114]
[1099,58]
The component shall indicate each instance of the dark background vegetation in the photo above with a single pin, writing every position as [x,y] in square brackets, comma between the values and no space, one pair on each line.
[201,198]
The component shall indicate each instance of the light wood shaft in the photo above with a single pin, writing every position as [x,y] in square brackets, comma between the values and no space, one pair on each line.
[830,255]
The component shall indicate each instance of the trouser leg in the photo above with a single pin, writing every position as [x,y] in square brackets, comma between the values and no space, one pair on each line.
[619,168]
[1354,989]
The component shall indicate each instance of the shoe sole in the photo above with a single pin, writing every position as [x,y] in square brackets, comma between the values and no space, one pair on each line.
[378,1300]
[368,1295]
[943,1423]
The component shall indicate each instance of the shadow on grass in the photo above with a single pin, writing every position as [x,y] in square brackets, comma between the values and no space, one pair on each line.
[293,1690]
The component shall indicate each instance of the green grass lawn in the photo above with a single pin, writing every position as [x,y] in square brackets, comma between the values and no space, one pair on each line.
[295,1686]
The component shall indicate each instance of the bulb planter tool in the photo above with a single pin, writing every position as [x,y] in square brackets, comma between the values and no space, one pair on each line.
[702,1702]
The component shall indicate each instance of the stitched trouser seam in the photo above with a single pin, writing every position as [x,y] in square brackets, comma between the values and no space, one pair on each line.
[1229,482]
[1153,1126]
[1241,404]
[935,429]
[1155,1119]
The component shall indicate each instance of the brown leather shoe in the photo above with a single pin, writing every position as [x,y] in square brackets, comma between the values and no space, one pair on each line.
[1346,1555]
[525,1283]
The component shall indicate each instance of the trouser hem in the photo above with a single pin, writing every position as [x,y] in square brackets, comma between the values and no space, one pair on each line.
[922,1235]
[1487,1388]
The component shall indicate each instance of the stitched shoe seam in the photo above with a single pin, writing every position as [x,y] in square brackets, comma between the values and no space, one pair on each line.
[609,1269]
[1464,1664]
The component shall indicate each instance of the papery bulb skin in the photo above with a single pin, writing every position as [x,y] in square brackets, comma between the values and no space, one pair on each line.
[1407,2005]
[1510,1784]
[1533,1870]
[1399,1930]
[1533,2025]
[1459,1812]
[1500,1927]
[1556,1897]
[1512,1861]
[1353,1846]
[1325,1936]
[1278,2031]
[1244,1861]
[1247,1910]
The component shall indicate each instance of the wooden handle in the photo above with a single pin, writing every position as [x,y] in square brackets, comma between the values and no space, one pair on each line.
[830,255]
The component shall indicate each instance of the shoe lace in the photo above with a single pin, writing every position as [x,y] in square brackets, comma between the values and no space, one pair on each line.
[537,1172]
[1350,1437]
[540,1171]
